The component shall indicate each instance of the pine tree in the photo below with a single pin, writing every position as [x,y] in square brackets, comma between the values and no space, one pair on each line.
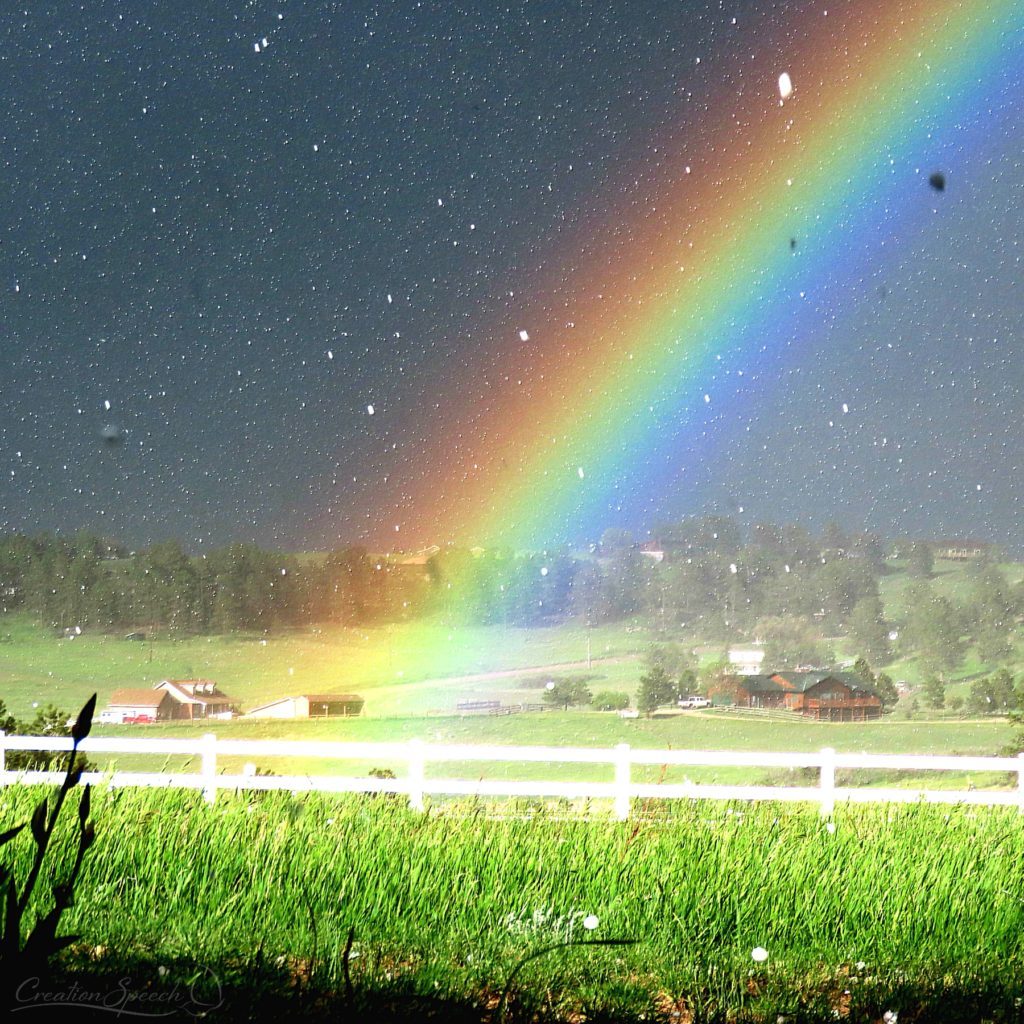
[935,693]
[656,689]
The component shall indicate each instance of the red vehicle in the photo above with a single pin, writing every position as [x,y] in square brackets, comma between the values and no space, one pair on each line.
[138,720]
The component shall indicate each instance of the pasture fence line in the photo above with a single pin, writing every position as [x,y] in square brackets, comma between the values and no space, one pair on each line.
[738,711]
[621,789]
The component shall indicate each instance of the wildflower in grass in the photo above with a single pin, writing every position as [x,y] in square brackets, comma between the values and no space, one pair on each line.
[831,828]
[759,954]
[548,921]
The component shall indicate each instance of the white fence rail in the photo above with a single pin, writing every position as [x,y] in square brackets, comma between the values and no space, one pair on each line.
[621,789]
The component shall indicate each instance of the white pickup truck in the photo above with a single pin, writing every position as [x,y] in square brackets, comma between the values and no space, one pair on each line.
[691,703]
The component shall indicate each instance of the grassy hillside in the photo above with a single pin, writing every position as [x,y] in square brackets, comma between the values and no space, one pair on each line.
[402,669]
[388,664]
[953,581]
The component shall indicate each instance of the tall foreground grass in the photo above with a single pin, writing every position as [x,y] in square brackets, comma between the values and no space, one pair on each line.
[881,908]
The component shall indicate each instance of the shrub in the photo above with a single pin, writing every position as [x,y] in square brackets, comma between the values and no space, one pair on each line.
[611,700]
[48,721]
[564,693]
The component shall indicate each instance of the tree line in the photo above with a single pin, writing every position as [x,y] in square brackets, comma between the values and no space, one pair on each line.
[782,585]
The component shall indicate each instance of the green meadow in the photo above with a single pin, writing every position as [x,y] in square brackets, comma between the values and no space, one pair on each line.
[400,668]
[704,730]
[357,909]
[413,675]
[403,669]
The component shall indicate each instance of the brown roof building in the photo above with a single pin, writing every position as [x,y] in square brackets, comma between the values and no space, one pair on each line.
[826,696]
[197,698]
[137,705]
[311,705]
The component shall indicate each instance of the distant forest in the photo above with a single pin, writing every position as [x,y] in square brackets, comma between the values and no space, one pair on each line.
[780,583]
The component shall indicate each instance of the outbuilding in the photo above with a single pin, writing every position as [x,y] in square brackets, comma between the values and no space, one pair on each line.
[311,705]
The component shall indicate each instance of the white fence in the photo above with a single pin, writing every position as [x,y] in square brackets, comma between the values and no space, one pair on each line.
[621,789]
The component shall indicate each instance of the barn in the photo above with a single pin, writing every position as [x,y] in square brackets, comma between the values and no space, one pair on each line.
[311,705]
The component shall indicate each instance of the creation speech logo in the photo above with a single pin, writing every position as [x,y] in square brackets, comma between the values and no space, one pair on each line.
[197,996]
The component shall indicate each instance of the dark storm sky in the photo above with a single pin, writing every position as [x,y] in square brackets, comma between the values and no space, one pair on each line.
[242,245]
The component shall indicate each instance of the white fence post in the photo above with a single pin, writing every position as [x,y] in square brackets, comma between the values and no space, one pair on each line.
[209,767]
[416,774]
[1020,776]
[623,767]
[828,781]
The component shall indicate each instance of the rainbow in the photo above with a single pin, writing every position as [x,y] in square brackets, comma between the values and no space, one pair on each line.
[675,312]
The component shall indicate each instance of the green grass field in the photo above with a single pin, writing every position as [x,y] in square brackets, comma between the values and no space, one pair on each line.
[412,676]
[714,730]
[917,911]
[402,669]
[387,664]
[711,730]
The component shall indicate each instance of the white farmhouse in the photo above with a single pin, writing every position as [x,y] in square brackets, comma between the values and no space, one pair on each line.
[746,661]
